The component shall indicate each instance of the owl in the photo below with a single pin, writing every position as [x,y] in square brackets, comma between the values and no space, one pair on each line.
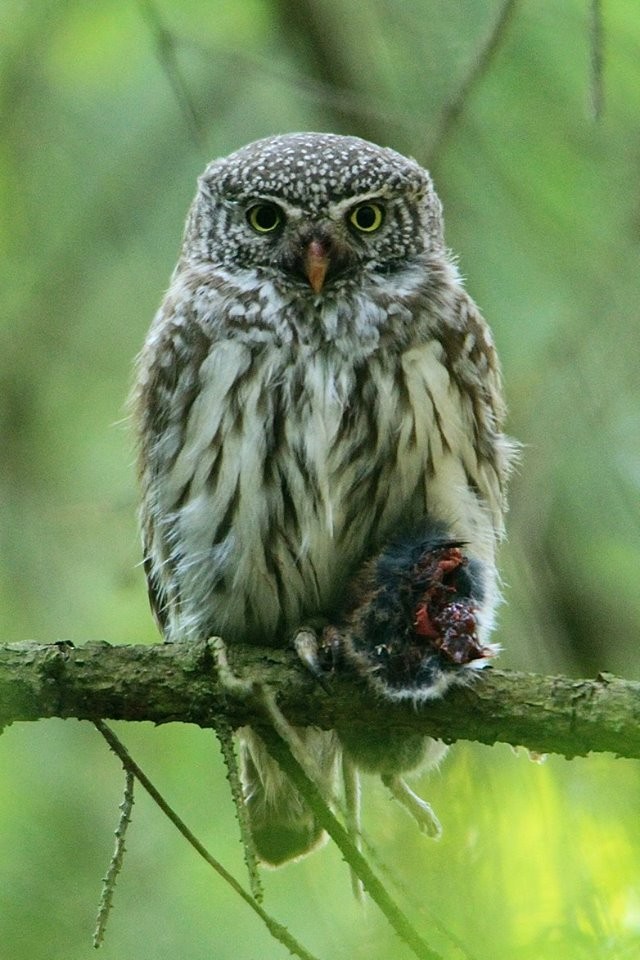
[319,412]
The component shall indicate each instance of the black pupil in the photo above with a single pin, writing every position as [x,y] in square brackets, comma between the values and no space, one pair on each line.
[366,217]
[266,217]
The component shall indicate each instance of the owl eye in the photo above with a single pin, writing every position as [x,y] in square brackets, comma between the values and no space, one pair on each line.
[265,217]
[367,217]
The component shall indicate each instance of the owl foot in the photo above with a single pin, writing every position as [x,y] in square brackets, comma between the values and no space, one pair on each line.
[311,655]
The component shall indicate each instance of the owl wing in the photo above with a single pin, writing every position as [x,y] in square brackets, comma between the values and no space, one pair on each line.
[473,367]
[157,596]
[166,388]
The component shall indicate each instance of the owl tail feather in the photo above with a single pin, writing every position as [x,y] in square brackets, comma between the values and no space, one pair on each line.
[282,826]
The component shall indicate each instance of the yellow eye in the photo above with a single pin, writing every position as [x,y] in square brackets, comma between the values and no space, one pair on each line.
[367,217]
[265,217]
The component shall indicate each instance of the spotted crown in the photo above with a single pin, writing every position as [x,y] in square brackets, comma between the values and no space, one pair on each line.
[310,175]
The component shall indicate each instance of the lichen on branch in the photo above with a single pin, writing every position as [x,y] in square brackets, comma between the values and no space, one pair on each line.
[179,682]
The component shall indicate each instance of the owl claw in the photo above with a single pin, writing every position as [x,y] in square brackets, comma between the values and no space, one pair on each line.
[305,643]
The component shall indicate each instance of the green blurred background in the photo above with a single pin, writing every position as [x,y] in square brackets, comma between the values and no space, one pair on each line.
[109,110]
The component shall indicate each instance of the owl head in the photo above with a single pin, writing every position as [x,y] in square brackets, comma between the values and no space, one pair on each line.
[313,209]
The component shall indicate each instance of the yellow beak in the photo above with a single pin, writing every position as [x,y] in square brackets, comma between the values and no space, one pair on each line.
[316,264]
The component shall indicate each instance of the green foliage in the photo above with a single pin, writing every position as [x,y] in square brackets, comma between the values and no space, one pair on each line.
[98,158]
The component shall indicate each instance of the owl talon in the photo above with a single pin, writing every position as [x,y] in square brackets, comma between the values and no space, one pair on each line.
[305,643]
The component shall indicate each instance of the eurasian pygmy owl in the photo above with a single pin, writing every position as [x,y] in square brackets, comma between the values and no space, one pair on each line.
[319,400]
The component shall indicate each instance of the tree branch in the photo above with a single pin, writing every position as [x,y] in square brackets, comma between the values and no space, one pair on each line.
[483,60]
[179,682]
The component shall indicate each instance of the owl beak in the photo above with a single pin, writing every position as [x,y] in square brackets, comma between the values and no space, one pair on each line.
[316,264]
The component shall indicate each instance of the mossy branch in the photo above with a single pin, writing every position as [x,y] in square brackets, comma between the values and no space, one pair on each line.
[179,682]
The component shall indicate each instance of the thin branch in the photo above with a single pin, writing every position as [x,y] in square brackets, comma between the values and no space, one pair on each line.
[165,44]
[596,39]
[275,929]
[115,864]
[343,101]
[167,682]
[318,37]
[456,104]
[351,840]
[225,739]
[280,750]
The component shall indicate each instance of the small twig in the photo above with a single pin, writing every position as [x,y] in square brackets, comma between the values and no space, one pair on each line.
[166,50]
[280,751]
[453,109]
[408,896]
[265,696]
[225,739]
[350,810]
[115,864]
[596,38]
[308,87]
[276,929]
[353,803]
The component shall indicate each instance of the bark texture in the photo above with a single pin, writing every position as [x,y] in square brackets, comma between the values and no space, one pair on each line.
[182,682]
